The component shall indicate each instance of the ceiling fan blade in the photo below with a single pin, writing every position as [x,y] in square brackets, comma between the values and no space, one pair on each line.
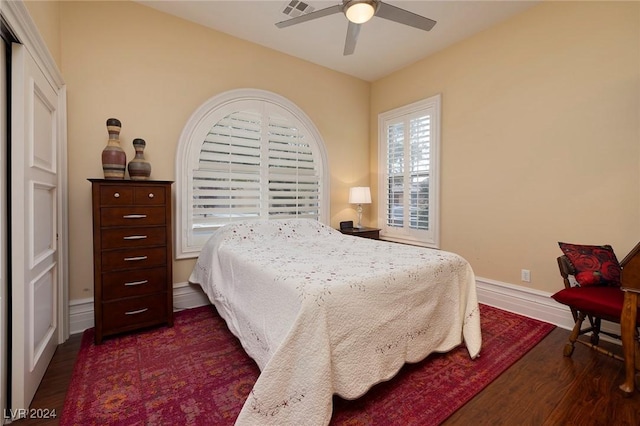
[309,16]
[403,16]
[353,31]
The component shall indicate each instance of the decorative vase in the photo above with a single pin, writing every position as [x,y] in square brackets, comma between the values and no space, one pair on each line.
[114,159]
[139,169]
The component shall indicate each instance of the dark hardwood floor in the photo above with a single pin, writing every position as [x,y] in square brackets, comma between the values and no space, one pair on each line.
[53,388]
[542,388]
[546,388]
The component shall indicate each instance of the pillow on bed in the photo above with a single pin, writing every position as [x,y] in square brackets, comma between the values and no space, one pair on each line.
[594,265]
[273,229]
[299,228]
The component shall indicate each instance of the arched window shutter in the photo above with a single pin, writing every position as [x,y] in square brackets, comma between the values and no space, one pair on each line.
[247,154]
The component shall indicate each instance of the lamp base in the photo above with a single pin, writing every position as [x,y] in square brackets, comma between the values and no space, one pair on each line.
[359,210]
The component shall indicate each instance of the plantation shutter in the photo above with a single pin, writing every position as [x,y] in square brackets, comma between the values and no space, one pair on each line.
[254,163]
[409,190]
[395,168]
[419,162]
[226,185]
[408,161]
[247,154]
[294,189]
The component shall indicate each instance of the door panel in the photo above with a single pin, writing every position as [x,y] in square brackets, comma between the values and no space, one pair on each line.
[43,291]
[43,148]
[34,245]
[43,222]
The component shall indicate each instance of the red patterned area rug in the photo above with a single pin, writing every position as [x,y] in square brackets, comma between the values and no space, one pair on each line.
[196,373]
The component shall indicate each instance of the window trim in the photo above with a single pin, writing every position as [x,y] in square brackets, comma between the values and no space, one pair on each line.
[191,140]
[433,241]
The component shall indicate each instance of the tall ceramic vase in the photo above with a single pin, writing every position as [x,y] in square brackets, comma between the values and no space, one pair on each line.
[114,160]
[139,169]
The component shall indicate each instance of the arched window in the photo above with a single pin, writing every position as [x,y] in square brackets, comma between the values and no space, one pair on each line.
[247,154]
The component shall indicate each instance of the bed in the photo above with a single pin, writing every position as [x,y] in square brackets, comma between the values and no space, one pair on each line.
[324,313]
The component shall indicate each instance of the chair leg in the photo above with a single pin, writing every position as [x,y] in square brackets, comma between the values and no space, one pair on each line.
[570,346]
[629,340]
[595,334]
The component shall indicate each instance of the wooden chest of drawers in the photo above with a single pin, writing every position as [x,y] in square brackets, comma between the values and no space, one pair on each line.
[132,255]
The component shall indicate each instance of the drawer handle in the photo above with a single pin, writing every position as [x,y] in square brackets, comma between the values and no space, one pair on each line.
[134,216]
[139,311]
[129,259]
[135,237]
[151,195]
[132,283]
[116,195]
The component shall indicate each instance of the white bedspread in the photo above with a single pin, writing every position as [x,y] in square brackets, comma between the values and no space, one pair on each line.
[324,313]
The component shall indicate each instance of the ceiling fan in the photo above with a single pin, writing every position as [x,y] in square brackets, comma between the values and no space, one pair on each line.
[360,11]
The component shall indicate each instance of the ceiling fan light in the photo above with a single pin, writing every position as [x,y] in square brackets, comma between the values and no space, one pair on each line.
[360,12]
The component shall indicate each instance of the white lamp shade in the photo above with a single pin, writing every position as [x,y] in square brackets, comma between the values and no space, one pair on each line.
[359,195]
[359,13]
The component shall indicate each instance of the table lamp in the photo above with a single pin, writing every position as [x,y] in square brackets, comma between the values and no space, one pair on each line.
[359,195]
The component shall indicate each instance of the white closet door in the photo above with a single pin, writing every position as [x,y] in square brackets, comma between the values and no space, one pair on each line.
[34,225]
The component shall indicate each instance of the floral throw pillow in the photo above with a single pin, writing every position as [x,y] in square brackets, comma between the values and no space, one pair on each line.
[594,265]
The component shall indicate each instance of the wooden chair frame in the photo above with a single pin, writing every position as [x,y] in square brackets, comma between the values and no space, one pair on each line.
[595,322]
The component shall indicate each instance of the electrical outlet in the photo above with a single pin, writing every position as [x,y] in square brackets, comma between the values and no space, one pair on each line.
[525,275]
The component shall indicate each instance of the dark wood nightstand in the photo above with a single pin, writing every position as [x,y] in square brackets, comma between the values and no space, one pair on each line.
[373,233]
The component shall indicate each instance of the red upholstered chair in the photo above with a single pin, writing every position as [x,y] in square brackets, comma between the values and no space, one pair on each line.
[593,294]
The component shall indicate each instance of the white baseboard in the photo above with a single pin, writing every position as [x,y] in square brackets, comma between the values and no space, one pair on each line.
[80,315]
[531,303]
[517,299]
[524,301]
[188,296]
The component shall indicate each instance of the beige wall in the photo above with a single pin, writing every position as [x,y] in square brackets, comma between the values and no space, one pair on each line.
[46,15]
[540,128]
[540,136]
[152,71]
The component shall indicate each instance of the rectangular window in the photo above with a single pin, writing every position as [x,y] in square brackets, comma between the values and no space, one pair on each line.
[408,188]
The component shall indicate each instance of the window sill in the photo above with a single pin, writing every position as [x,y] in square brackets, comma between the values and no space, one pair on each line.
[408,242]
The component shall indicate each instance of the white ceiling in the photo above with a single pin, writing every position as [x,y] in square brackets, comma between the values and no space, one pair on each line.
[383,46]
